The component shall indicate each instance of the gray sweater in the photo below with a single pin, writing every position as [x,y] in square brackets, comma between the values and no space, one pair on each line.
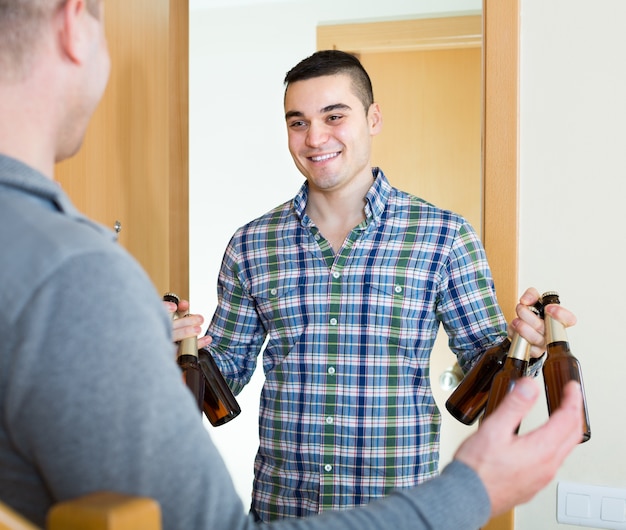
[91,398]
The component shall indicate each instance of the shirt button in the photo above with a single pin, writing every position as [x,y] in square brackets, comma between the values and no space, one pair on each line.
[331,370]
[333,321]
[398,289]
[330,420]
[336,275]
[273,292]
[328,468]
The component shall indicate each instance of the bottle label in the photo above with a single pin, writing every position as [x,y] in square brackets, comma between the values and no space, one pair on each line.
[520,349]
[555,331]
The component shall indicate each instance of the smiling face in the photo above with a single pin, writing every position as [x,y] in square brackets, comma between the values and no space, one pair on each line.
[329,131]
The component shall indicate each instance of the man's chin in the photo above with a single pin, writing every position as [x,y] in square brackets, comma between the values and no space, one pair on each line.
[69,151]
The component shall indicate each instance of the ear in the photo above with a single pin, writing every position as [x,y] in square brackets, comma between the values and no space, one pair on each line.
[375,119]
[73,30]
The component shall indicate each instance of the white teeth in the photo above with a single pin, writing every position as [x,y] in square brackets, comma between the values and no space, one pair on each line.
[324,157]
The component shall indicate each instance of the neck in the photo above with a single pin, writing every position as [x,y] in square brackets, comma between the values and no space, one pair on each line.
[336,213]
[25,132]
[347,202]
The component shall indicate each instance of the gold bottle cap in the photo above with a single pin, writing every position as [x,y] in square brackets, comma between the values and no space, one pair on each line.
[171,297]
[553,295]
[550,293]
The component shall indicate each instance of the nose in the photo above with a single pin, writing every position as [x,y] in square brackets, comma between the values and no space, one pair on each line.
[317,134]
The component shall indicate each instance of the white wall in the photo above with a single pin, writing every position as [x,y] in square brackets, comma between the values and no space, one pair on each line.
[573,168]
[573,81]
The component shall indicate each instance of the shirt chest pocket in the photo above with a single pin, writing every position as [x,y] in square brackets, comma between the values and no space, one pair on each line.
[279,304]
[400,306]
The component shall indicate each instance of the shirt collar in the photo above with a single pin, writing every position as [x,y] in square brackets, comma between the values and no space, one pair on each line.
[375,199]
[377,196]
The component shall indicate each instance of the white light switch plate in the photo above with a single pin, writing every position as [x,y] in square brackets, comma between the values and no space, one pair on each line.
[593,506]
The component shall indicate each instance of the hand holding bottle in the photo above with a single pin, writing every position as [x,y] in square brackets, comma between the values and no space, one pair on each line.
[531,327]
[188,325]
[468,400]
[200,372]
[187,356]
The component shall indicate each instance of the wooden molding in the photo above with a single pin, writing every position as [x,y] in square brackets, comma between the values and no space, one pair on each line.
[500,147]
[179,148]
[402,35]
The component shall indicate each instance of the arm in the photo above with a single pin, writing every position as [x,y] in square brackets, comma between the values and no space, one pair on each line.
[468,308]
[111,412]
[236,330]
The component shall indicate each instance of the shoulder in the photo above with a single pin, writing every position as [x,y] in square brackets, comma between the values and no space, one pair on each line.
[43,246]
[269,227]
[415,210]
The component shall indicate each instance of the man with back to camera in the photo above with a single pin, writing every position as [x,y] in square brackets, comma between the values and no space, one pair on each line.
[349,281]
[91,398]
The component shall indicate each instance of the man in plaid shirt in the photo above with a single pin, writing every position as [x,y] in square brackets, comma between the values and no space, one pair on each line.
[349,282]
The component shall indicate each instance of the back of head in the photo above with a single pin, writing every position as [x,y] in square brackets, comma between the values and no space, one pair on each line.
[54,65]
[20,31]
[21,24]
[334,62]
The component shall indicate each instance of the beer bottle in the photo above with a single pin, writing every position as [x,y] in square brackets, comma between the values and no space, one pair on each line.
[204,379]
[469,398]
[561,366]
[187,359]
[220,405]
[515,366]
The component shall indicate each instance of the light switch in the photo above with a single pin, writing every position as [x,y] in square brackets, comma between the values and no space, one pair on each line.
[591,506]
[578,505]
[613,510]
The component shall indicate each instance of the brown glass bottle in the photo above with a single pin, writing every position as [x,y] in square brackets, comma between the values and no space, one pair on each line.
[469,398]
[561,366]
[187,359]
[204,378]
[515,366]
[220,405]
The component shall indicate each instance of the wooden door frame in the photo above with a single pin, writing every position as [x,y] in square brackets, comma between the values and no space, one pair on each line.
[179,148]
[136,150]
[497,31]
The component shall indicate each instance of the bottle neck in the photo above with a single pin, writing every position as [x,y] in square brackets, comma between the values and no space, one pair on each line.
[520,349]
[555,331]
[188,346]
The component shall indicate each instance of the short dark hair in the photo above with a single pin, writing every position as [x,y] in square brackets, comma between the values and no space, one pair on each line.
[333,62]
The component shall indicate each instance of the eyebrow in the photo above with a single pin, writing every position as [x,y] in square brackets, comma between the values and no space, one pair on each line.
[324,110]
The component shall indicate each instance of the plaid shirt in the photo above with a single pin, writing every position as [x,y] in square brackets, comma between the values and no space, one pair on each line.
[347,412]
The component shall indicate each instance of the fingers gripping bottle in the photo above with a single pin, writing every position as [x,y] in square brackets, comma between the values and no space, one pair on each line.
[211,391]
[187,359]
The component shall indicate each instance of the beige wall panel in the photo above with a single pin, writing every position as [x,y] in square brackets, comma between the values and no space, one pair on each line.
[430,143]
